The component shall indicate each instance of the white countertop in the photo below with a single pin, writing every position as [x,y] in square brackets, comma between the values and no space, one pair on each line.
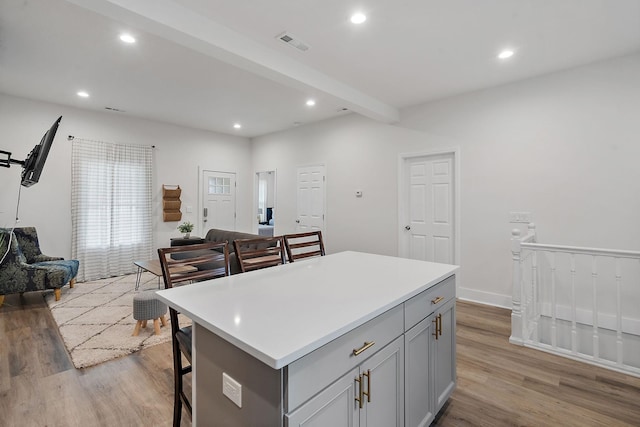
[280,314]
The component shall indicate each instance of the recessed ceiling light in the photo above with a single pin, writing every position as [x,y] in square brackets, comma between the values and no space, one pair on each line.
[127,38]
[358,18]
[83,94]
[237,125]
[311,102]
[506,54]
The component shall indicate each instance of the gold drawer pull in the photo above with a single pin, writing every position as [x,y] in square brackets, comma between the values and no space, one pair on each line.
[357,351]
[437,300]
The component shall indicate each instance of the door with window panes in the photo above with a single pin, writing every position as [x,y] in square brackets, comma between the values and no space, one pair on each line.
[218,201]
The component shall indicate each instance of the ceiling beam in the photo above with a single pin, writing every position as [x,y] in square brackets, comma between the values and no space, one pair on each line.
[172,21]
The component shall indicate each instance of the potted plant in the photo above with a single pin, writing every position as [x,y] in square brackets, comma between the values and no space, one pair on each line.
[186,228]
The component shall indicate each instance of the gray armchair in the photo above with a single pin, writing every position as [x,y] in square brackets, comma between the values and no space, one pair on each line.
[30,270]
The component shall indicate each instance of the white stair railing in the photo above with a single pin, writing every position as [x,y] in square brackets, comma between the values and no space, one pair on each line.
[582,303]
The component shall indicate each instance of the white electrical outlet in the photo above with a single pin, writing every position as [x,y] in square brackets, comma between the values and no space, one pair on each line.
[232,389]
[520,217]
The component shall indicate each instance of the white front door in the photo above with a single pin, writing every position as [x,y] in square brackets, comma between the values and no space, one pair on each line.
[428,232]
[311,190]
[218,200]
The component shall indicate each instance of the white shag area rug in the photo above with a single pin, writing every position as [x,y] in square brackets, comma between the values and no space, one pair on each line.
[96,321]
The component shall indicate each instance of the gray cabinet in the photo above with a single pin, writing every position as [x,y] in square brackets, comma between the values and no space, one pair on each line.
[430,364]
[371,395]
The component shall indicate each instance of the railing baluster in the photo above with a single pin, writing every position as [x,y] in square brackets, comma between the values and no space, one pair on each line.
[594,281]
[574,331]
[533,307]
[619,345]
[554,314]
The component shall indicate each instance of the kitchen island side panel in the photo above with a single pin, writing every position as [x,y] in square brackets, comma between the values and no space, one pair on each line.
[261,385]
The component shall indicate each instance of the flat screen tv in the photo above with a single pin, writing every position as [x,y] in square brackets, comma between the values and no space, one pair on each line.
[34,163]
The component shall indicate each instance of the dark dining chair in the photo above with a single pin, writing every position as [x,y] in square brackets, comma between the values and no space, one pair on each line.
[262,252]
[194,263]
[304,245]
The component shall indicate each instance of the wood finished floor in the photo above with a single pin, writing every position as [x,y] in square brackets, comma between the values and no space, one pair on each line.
[499,384]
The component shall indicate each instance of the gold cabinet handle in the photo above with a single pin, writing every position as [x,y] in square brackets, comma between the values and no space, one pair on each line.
[438,326]
[357,351]
[360,397]
[435,328]
[436,300]
[368,392]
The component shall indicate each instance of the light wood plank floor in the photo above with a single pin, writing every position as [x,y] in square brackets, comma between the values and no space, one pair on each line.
[499,384]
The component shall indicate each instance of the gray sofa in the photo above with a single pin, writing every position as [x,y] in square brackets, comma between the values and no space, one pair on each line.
[219,236]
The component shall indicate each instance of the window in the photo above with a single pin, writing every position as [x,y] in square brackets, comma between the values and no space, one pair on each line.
[219,185]
[111,208]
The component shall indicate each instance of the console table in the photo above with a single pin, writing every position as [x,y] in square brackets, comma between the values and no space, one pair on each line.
[181,241]
[349,339]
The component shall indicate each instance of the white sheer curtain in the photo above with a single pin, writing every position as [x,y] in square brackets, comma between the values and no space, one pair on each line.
[111,208]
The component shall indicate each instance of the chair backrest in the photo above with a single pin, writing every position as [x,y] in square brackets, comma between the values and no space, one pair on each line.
[261,252]
[197,262]
[304,245]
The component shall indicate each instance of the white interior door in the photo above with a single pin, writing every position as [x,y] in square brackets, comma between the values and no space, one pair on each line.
[429,208]
[311,191]
[218,200]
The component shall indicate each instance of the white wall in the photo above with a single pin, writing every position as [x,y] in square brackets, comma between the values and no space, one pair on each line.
[178,154]
[564,147]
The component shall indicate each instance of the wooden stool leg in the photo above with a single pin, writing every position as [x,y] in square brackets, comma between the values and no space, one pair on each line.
[144,323]
[163,320]
[72,282]
[136,330]
[57,293]
[156,326]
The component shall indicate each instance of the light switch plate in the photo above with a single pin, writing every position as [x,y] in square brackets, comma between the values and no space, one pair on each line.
[232,389]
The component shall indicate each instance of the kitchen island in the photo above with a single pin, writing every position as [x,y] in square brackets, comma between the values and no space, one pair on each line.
[346,339]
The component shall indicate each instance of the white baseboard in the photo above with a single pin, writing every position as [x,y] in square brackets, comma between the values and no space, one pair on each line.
[488,298]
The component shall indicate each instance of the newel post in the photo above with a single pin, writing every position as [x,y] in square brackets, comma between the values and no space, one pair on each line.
[516,304]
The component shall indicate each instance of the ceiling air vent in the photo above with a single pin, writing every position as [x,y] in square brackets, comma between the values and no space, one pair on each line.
[293,41]
[117,110]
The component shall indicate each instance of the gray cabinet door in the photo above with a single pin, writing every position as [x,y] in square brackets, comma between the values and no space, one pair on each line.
[384,381]
[419,402]
[334,406]
[444,354]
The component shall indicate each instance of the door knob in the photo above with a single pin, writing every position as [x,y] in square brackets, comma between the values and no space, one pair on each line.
[297,221]
[407,227]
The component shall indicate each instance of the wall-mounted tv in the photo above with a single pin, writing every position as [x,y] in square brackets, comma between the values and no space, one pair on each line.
[34,163]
